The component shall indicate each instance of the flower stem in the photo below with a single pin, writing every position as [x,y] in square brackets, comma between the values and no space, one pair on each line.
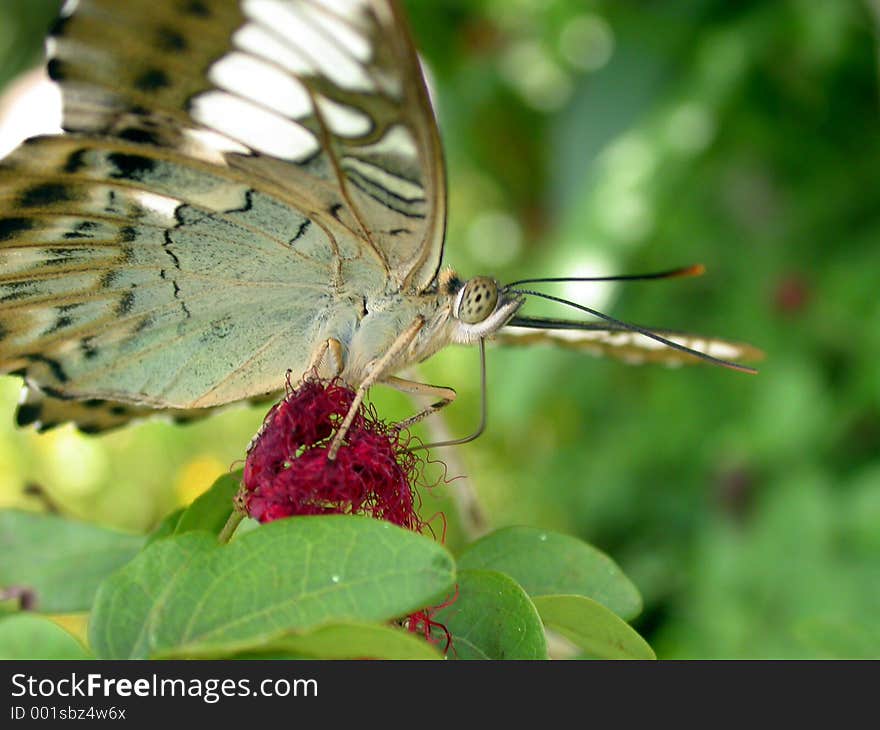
[229,528]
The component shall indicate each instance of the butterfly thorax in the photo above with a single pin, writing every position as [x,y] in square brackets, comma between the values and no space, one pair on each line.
[365,336]
[453,311]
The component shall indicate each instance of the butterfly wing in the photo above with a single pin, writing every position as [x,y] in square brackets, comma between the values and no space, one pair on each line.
[297,92]
[622,344]
[94,415]
[233,176]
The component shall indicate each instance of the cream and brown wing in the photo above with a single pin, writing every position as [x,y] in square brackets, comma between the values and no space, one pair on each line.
[628,346]
[93,416]
[233,174]
[324,96]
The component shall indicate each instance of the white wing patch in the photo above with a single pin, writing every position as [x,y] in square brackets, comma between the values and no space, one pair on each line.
[322,55]
[262,43]
[161,204]
[261,82]
[344,120]
[336,30]
[254,126]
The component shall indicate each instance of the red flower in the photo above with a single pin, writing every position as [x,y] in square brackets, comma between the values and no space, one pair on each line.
[287,471]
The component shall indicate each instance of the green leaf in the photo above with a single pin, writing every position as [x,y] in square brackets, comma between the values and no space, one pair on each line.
[599,632]
[492,618]
[210,510]
[60,560]
[361,641]
[350,640]
[23,24]
[548,563]
[187,591]
[28,636]
[167,526]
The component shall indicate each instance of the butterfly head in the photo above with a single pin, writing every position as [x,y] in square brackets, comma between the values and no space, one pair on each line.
[480,306]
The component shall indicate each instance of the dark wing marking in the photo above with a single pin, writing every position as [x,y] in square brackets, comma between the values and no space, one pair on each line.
[94,416]
[289,91]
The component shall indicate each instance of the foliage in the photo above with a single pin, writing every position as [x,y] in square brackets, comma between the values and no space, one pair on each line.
[334,586]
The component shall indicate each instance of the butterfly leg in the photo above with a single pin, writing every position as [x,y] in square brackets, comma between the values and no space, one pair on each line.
[331,348]
[484,409]
[446,396]
[377,372]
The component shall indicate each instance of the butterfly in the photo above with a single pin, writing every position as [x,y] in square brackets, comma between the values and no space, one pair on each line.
[244,188]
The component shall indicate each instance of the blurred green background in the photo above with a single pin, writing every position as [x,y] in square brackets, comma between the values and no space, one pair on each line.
[614,137]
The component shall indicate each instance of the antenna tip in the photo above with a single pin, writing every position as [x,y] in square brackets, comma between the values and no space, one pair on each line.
[694,270]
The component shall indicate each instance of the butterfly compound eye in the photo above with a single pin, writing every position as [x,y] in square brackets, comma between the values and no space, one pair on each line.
[478,300]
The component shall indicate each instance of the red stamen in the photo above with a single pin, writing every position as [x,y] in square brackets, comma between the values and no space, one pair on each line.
[422,622]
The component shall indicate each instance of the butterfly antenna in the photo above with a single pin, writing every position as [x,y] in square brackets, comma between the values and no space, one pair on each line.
[679,273]
[484,409]
[641,331]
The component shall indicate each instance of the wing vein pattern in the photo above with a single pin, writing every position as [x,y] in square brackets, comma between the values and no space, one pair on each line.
[232,176]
